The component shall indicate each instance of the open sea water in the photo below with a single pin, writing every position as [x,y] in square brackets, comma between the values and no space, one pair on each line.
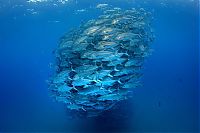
[30,31]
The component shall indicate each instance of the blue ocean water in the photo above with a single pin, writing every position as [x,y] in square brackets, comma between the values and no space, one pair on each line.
[167,101]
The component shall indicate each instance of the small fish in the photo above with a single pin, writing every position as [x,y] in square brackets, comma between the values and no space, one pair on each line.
[116,62]
[61,77]
[83,74]
[65,45]
[63,99]
[101,21]
[104,16]
[82,39]
[99,107]
[112,57]
[104,73]
[112,11]
[85,68]
[74,107]
[64,88]
[107,82]
[81,82]
[134,62]
[126,36]
[130,85]
[90,90]
[110,97]
[102,5]
[81,10]
[106,45]
[91,30]
[80,46]
[96,55]
[125,71]
[108,31]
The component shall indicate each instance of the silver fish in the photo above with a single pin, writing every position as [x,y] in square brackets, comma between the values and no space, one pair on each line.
[112,57]
[63,99]
[107,82]
[134,62]
[106,45]
[80,46]
[91,90]
[81,82]
[116,62]
[85,68]
[74,107]
[130,85]
[102,21]
[84,74]
[125,71]
[91,30]
[111,97]
[61,77]
[96,55]
[126,36]
[64,88]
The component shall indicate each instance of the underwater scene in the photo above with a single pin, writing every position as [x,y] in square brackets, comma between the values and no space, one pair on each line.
[99,66]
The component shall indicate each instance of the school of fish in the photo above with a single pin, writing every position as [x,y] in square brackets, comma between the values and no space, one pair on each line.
[99,63]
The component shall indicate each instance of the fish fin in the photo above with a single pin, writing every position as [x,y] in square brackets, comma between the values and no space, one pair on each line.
[115,69]
[119,81]
[84,109]
[109,75]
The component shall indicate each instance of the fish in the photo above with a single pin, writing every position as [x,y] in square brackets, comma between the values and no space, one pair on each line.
[130,85]
[82,39]
[133,42]
[80,46]
[118,61]
[64,64]
[108,31]
[84,74]
[99,107]
[108,37]
[89,23]
[64,88]
[66,54]
[85,68]
[125,71]
[91,90]
[133,62]
[65,45]
[74,107]
[102,21]
[104,16]
[126,36]
[104,73]
[89,104]
[63,99]
[61,77]
[107,82]
[111,97]
[91,30]
[102,5]
[96,55]
[131,78]
[82,82]
[106,45]
[112,57]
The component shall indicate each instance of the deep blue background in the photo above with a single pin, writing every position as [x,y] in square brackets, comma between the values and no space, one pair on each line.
[168,101]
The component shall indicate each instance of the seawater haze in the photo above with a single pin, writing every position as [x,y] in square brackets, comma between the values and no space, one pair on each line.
[167,101]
